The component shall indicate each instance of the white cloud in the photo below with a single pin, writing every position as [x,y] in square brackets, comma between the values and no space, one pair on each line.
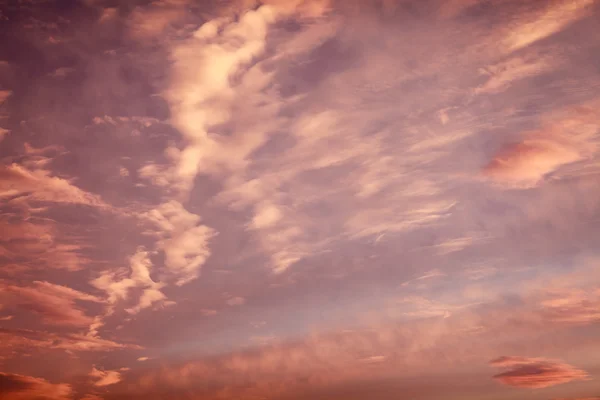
[139,277]
[105,378]
[182,238]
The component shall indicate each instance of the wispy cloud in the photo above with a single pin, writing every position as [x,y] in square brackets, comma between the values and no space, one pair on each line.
[576,306]
[542,24]
[39,185]
[36,243]
[54,303]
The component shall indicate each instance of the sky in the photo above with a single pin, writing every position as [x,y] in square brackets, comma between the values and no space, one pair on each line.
[299,199]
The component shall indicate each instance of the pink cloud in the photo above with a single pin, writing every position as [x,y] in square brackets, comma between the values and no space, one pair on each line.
[30,243]
[39,185]
[563,140]
[25,340]
[535,373]
[54,303]
[576,306]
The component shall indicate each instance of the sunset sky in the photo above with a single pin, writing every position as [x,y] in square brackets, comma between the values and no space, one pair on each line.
[299,199]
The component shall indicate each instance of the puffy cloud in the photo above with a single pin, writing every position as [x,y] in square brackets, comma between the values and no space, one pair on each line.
[535,373]
[21,387]
[200,94]
[105,377]
[117,288]
[182,238]
[54,303]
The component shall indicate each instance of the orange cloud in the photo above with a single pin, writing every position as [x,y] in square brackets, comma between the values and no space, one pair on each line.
[21,387]
[54,303]
[22,340]
[28,244]
[39,185]
[539,26]
[535,373]
[564,140]
[582,398]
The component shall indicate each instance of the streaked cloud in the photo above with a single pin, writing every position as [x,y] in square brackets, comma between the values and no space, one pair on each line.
[248,199]
[535,373]
[54,303]
[502,75]
[39,185]
[575,306]
[37,243]
[540,25]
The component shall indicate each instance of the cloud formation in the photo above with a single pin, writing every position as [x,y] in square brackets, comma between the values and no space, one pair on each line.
[308,199]
[542,24]
[575,306]
[21,387]
[118,288]
[535,373]
[54,303]
[39,185]
[562,141]
[105,377]
[37,243]
[182,238]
